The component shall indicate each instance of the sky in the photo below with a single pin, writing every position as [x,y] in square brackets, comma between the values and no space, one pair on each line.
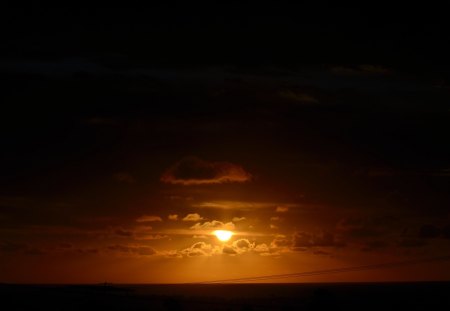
[129,135]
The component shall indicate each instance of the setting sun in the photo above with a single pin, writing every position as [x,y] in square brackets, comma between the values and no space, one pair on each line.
[223,235]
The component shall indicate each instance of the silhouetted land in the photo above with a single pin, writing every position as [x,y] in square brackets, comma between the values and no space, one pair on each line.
[387,296]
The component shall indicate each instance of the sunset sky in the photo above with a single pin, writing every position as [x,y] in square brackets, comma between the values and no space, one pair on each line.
[125,142]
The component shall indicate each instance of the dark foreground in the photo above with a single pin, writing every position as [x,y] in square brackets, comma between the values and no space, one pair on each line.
[398,296]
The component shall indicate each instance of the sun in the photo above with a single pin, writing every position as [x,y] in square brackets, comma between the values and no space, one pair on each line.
[223,235]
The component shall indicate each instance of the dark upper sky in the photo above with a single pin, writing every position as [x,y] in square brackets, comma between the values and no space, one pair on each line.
[318,136]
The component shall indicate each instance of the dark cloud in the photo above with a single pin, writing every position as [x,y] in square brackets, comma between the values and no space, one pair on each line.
[303,241]
[140,250]
[229,250]
[429,231]
[446,232]
[306,239]
[123,232]
[281,241]
[411,243]
[12,247]
[298,97]
[374,245]
[366,227]
[194,171]
[124,177]
[365,69]
[242,246]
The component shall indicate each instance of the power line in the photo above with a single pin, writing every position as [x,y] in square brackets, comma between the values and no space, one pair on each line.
[330,271]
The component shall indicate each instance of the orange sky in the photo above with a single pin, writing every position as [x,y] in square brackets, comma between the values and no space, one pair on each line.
[173,242]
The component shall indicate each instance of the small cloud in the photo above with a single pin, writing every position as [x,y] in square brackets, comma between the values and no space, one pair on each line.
[261,248]
[238,219]
[12,247]
[140,250]
[275,218]
[281,241]
[173,217]
[272,226]
[202,236]
[200,249]
[243,205]
[152,237]
[215,224]
[429,232]
[124,177]
[123,232]
[194,171]
[65,246]
[229,250]
[306,239]
[298,97]
[172,254]
[192,217]
[374,245]
[282,209]
[374,69]
[148,218]
[365,69]
[242,246]
[411,243]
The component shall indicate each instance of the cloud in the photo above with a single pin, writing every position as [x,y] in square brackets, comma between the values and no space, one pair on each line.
[244,205]
[272,226]
[281,240]
[282,209]
[446,232]
[374,245]
[411,243]
[172,217]
[242,246]
[238,247]
[151,237]
[192,217]
[148,218]
[215,224]
[429,231]
[123,232]
[261,248]
[200,249]
[298,97]
[322,239]
[194,171]
[275,218]
[141,250]
[12,247]
[365,69]
[229,250]
[302,241]
[124,177]
[364,227]
[201,236]
[238,219]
